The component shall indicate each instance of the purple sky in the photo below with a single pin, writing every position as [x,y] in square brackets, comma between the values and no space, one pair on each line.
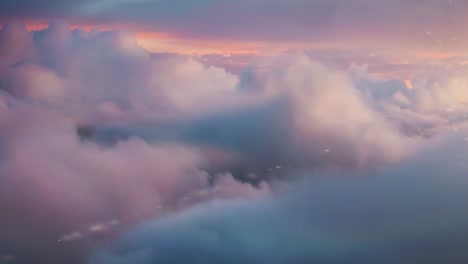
[424,27]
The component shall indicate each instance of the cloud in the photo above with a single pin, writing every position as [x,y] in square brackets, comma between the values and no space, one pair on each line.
[306,116]
[391,216]
[54,84]
[78,71]
[434,101]
[53,184]
[95,130]
[322,102]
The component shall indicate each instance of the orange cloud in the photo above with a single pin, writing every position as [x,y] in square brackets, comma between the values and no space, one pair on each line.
[409,84]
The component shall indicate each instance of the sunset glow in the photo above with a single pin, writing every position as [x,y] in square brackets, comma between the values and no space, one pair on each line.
[233,132]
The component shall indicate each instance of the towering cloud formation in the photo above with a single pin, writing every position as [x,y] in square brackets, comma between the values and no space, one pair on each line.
[95,132]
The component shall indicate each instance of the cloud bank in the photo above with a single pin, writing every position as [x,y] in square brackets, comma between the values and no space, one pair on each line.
[411,213]
[97,134]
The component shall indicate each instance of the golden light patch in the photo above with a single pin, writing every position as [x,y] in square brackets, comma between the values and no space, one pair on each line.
[462,99]
[409,84]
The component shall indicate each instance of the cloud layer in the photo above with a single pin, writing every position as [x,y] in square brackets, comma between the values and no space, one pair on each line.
[97,134]
[394,216]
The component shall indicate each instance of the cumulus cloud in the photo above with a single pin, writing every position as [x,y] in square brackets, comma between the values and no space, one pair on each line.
[324,103]
[79,71]
[433,100]
[51,177]
[55,84]
[53,184]
[305,116]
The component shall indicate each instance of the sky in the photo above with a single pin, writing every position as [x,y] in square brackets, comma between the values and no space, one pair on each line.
[319,131]
[428,27]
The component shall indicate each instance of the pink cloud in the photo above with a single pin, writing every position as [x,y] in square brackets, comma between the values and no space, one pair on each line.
[94,128]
